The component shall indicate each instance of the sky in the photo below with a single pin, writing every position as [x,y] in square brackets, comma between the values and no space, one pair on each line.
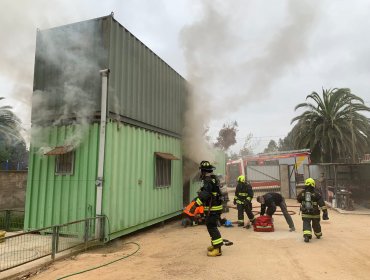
[250,61]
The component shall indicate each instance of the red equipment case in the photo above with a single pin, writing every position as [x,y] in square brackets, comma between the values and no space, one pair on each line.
[263,224]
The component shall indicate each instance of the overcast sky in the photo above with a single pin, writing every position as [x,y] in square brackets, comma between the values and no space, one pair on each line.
[252,61]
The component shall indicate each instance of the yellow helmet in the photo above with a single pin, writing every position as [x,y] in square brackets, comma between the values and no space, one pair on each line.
[310,182]
[241,178]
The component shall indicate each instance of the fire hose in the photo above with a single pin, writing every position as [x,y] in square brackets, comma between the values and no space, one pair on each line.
[278,212]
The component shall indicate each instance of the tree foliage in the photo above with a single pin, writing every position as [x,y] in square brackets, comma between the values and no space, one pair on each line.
[332,125]
[227,136]
[10,124]
[247,149]
[271,147]
[15,155]
[287,143]
[12,145]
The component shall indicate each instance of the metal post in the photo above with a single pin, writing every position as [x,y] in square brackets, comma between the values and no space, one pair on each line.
[7,220]
[53,243]
[335,202]
[86,232]
[103,121]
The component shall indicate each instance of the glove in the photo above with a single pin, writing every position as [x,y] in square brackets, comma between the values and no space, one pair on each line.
[325,216]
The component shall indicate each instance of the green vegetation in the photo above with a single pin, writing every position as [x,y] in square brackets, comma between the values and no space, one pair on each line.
[332,126]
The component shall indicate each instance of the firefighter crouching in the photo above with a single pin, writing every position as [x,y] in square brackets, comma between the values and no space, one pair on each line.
[243,201]
[192,217]
[311,202]
[210,197]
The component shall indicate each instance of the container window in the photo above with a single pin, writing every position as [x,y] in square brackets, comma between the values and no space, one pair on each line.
[64,163]
[163,172]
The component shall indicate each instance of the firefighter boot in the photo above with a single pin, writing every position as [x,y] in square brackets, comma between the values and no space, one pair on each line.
[210,248]
[307,238]
[215,252]
[240,224]
[248,226]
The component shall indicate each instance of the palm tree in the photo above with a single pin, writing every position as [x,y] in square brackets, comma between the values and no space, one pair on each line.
[10,124]
[332,126]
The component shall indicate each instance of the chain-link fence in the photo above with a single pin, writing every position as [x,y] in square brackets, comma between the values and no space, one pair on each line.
[11,220]
[25,247]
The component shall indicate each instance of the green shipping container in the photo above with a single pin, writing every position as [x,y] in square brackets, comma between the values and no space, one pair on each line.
[142,162]
[131,197]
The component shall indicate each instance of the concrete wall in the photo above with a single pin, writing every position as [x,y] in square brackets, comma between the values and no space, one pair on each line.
[284,180]
[13,189]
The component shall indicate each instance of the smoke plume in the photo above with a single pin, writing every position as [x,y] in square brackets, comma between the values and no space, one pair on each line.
[19,22]
[71,94]
[227,67]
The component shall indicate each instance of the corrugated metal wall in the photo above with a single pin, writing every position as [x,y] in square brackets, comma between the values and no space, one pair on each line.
[130,199]
[143,89]
[67,64]
[220,162]
[263,173]
[53,199]
[142,86]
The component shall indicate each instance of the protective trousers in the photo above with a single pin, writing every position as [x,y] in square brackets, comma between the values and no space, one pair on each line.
[247,207]
[315,226]
[285,212]
[211,223]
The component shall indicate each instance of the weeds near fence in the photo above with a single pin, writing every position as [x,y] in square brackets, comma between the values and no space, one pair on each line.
[11,220]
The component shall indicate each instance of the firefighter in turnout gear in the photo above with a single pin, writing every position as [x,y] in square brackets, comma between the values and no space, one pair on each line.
[271,201]
[243,201]
[210,197]
[311,202]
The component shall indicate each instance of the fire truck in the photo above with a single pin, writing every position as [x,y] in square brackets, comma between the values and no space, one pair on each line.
[262,170]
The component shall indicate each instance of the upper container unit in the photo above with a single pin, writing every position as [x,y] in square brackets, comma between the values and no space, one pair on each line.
[143,90]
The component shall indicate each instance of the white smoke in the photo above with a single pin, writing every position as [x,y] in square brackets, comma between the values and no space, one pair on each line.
[69,97]
[225,70]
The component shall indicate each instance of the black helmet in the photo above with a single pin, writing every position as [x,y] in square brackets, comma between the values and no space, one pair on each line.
[206,166]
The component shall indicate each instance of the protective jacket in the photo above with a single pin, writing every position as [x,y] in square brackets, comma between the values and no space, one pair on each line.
[198,210]
[243,192]
[316,201]
[271,201]
[210,195]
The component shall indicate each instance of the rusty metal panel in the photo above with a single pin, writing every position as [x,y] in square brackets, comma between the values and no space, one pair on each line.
[54,199]
[130,198]
[166,156]
[59,150]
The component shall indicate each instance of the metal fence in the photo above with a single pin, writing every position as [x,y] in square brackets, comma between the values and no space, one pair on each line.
[19,165]
[11,220]
[21,248]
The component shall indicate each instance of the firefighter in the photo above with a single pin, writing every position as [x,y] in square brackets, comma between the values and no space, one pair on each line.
[210,197]
[243,201]
[270,201]
[194,218]
[311,202]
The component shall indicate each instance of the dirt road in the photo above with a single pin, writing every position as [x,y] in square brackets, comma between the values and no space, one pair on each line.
[172,252]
